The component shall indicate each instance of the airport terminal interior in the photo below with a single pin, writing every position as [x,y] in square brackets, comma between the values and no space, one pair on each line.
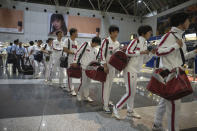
[39,92]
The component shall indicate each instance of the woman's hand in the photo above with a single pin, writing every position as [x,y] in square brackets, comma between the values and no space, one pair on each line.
[144,52]
[106,69]
[74,64]
[180,43]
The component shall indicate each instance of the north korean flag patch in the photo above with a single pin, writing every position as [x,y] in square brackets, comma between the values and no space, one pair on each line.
[74,46]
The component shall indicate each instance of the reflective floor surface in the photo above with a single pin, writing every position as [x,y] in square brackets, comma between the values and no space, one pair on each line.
[28,104]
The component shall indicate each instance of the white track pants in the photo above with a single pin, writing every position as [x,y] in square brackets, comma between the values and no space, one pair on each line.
[48,69]
[70,83]
[37,67]
[107,85]
[83,89]
[128,98]
[173,112]
[56,67]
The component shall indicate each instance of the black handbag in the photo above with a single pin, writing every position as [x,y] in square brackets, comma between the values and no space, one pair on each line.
[64,59]
[47,58]
[28,69]
[11,57]
[38,56]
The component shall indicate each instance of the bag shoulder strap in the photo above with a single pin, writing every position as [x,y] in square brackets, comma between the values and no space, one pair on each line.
[98,53]
[106,48]
[45,46]
[136,44]
[180,49]
[68,46]
[80,56]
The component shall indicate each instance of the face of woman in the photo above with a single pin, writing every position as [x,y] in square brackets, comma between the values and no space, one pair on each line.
[148,35]
[50,42]
[57,24]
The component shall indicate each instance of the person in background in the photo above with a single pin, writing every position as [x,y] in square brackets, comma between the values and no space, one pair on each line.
[57,53]
[20,53]
[8,50]
[34,50]
[57,24]
[89,55]
[170,58]
[71,50]
[112,45]
[13,51]
[138,52]
[29,52]
[48,61]
[1,56]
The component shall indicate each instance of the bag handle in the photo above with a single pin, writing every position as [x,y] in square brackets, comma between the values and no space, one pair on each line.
[180,49]
[106,48]
[98,53]
[136,44]
[68,47]
[80,56]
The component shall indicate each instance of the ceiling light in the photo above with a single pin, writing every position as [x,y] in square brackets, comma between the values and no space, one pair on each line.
[139,1]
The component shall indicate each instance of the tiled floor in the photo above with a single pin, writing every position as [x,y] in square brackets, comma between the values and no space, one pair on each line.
[27,104]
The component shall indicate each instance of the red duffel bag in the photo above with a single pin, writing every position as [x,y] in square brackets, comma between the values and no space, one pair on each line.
[170,85]
[96,72]
[119,60]
[75,72]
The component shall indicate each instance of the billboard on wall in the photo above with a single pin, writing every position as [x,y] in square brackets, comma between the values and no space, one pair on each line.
[11,21]
[86,26]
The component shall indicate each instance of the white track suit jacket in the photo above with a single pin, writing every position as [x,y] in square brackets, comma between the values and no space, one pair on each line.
[88,56]
[169,52]
[137,60]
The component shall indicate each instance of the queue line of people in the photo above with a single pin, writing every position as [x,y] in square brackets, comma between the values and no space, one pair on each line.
[138,53]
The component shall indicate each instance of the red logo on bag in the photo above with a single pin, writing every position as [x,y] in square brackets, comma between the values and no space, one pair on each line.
[111,48]
[74,46]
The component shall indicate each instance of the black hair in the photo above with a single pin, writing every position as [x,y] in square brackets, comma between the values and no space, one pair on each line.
[20,23]
[31,43]
[49,39]
[58,32]
[11,43]
[142,30]
[16,41]
[72,31]
[59,17]
[178,19]
[113,28]
[96,40]
[40,41]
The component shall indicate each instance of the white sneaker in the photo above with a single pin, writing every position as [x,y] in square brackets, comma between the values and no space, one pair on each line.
[73,93]
[66,89]
[88,99]
[61,86]
[79,97]
[158,127]
[133,114]
[116,113]
[111,103]
[106,110]
[49,83]
[36,77]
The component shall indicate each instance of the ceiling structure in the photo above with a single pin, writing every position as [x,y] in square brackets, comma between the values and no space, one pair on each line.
[131,7]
